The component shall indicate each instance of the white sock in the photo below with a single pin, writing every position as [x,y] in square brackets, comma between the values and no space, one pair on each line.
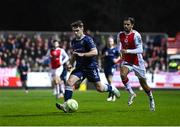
[62,88]
[54,91]
[57,88]
[107,87]
[129,88]
[150,95]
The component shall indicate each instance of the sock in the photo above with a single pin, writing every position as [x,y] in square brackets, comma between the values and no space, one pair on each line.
[62,89]
[150,95]
[57,89]
[68,93]
[107,88]
[127,86]
[110,94]
[54,91]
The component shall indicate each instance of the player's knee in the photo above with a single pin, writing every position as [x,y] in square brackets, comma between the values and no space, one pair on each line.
[57,81]
[99,89]
[70,83]
[123,76]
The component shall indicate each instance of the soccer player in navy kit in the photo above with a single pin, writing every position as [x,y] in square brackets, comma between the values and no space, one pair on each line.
[110,55]
[23,70]
[84,53]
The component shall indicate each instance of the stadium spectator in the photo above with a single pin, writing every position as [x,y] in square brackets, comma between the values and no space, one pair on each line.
[84,52]
[131,48]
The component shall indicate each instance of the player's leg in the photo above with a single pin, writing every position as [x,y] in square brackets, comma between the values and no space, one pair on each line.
[124,70]
[108,71]
[57,85]
[24,84]
[56,80]
[68,92]
[109,78]
[53,83]
[60,74]
[140,73]
[62,88]
[69,87]
[101,87]
[93,76]
[111,96]
[148,91]
[73,78]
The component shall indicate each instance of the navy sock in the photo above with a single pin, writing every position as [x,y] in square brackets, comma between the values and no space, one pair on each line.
[68,94]
[109,88]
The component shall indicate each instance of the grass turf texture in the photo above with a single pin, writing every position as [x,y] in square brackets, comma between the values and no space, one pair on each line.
[38,108]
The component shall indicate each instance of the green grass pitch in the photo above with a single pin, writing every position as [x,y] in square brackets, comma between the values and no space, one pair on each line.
[37,108]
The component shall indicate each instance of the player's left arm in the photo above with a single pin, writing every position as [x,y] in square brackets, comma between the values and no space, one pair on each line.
[92,52]
[139,46]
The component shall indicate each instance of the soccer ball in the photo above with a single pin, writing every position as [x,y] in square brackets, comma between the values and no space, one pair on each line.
[72,105]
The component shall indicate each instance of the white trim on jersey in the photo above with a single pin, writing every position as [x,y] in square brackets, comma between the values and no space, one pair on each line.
[64,57]
[138,43]
[138,50]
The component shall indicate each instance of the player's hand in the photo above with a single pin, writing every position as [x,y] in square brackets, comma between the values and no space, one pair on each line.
[123,51]
[69,67]
[79,54]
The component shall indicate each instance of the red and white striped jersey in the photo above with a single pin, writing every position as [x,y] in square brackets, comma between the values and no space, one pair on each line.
[132,42]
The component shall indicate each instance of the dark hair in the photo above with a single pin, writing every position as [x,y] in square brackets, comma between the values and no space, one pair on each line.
[55,41]
[131,19]
[77,23]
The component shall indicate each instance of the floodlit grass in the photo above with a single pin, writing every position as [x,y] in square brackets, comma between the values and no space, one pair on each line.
[38,108]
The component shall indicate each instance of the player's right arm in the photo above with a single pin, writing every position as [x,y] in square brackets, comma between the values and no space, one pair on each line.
[138,43]
[119,45]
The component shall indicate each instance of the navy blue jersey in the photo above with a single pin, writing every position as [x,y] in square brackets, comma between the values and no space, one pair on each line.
[110,55]
[82,46]
[23,69]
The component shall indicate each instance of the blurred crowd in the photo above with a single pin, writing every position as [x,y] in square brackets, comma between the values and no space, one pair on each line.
[33,46]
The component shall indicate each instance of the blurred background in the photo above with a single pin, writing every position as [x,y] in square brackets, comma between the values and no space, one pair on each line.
[28,27]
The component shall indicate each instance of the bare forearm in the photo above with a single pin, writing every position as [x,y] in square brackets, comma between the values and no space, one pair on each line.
[91,53]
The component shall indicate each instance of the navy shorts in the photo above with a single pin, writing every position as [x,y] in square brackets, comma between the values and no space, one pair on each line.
[64,74]
[23,77]
[92,74]
[109,71]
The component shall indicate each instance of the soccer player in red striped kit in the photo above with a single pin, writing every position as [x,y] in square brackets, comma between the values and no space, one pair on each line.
[131,48]
[58,57]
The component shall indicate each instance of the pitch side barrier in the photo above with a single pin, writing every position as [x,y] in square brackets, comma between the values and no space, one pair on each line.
[164,80]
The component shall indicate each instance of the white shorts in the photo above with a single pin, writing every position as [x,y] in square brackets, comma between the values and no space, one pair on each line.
[57,72]
[140,72]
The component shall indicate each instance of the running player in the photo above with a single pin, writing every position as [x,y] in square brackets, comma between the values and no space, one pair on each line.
[84,53]
[131,47]
[58,58]
[110,55]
